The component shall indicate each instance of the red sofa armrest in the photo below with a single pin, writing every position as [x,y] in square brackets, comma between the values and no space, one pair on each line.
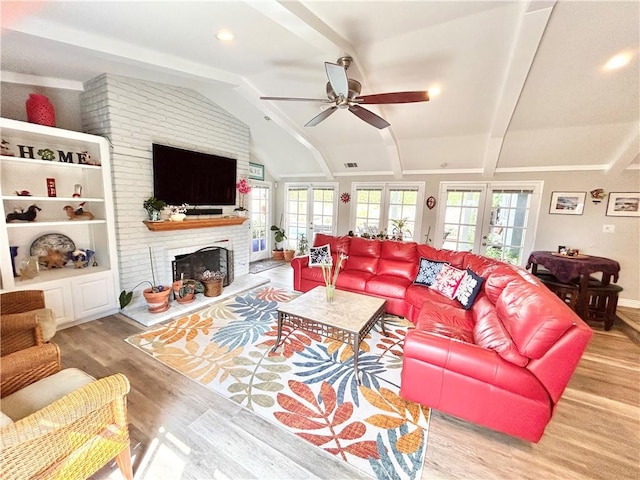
[467,360]
[298,263]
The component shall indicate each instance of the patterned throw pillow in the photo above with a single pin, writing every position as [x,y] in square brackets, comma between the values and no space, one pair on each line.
[448,280]
[428,271]
[469,288]
[320,255]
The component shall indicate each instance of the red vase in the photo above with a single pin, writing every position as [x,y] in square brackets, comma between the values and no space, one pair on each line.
[40,110]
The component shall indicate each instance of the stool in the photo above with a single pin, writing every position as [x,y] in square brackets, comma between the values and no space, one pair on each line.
[603,301]
[567,292]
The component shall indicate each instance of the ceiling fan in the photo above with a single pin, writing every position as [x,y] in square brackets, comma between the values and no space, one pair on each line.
[344,93]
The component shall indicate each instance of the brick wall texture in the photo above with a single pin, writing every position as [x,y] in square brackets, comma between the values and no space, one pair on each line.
[133,114]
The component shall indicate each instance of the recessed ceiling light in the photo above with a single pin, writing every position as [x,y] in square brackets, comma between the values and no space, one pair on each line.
[225,36]
[618,61]
[435,91]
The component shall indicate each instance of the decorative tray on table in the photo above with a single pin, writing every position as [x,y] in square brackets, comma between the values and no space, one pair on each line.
[577,257]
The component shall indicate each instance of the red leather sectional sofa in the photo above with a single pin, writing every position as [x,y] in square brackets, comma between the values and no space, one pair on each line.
[504,363]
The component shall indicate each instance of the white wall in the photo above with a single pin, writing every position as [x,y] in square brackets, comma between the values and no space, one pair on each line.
[134,114]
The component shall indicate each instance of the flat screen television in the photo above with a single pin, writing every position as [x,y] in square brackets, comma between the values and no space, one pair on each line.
[184,176]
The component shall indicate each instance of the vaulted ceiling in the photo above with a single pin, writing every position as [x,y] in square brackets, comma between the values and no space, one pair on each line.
[522,85]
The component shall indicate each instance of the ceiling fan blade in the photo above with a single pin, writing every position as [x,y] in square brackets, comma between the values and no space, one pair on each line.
[369,117]
[337,75]
[393,97]
[294,99]
[320,117]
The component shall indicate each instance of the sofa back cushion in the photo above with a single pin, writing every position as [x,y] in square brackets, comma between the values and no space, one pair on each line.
[533,316]
[453,258]
[364,255]
[490,332]
[337,244]
[398,259]
[498,277]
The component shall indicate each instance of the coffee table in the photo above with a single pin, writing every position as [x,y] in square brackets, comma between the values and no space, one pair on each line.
[348,318]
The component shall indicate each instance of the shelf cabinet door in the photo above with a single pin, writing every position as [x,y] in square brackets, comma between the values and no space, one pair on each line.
[58,299]
[93,296]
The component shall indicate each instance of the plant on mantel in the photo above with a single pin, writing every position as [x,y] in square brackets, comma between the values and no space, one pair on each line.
[154,206]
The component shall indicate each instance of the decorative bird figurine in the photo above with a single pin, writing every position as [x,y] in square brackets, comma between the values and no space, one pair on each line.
[78,213]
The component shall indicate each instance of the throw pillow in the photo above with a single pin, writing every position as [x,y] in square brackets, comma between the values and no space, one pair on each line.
[469,288]
[320,255]
[448,280]
[428,271]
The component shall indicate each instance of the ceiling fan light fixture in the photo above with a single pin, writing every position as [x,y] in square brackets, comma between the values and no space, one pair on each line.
[225,36]
[618,61]
[435,91]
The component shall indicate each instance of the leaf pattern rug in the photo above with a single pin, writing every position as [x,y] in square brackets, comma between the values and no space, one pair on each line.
[308,386]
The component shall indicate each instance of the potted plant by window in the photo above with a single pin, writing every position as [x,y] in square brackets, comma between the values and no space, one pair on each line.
[154,206]
[279,237]
[400,228]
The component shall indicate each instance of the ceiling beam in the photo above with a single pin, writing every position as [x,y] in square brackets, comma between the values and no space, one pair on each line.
[527,41]
[626,154]
[299,20]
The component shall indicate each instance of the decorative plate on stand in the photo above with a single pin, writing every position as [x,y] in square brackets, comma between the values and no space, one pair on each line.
[51,241]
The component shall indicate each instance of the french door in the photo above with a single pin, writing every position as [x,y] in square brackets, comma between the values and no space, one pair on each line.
[260,221]
[310,209]
[498,220]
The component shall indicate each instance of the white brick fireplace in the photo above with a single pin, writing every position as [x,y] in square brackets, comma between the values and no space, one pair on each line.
[133,114]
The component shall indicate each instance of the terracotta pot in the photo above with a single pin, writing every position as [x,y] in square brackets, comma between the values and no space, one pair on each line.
[277,254]
[289,254]
[188,297]
[40,110]
[157,302]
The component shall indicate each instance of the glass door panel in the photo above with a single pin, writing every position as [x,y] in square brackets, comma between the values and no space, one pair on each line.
[260,215]
[495,220]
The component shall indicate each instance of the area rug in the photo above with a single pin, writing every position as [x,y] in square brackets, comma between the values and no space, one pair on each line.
[308,385]
[266,264]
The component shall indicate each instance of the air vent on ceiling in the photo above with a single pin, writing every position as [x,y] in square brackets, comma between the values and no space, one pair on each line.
[351,165]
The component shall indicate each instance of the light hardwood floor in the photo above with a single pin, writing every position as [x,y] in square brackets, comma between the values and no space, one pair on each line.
[180,429]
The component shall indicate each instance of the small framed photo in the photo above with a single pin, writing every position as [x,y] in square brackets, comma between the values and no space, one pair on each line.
[256,171]
[623,204]
[567,203]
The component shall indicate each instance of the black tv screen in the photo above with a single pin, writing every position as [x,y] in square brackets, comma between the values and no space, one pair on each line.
[184,176]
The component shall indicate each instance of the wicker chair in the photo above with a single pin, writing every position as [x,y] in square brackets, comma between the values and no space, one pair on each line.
[72,437]
[19,325]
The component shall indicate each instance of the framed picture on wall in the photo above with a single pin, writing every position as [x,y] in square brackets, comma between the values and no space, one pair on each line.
[256,171]
[623,204]
[567,203]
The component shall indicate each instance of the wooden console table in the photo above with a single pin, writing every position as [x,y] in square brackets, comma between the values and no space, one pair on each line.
[196,223]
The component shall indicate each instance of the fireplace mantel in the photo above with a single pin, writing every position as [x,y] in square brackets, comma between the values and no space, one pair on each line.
[195,223]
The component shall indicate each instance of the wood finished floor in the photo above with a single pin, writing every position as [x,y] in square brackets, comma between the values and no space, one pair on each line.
[180,429]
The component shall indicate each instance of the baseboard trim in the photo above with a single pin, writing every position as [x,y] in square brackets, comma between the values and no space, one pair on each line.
[627,302]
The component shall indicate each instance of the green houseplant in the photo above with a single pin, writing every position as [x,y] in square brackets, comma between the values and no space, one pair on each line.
[400,228]
[157,296]
[278,236]
[154,206]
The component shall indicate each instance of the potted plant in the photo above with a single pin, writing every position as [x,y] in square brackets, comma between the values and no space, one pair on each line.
[400,228]
[177,213]
[212,281]
[303,245]
[184,290]
[244,188]
[279,236]
[157,296]
[154,206]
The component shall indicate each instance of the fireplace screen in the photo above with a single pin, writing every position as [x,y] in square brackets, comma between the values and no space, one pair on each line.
[193,264]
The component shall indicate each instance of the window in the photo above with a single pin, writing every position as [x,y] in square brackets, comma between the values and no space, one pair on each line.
[377,205]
